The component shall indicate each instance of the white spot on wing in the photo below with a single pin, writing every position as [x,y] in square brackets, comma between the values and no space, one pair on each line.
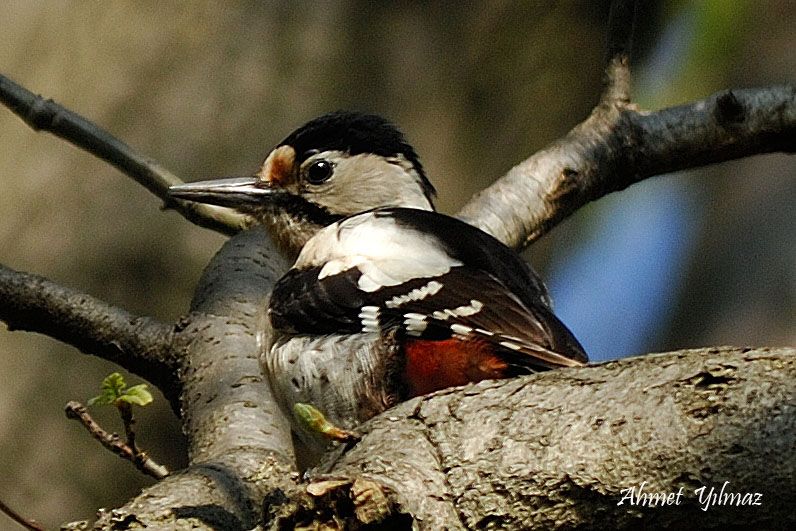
[417,294]
[369,317]
[460,330]
[471,309]
[461,311]
[415,323]
[509,344]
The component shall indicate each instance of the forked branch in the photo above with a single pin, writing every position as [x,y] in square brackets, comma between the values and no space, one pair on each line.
[619,145]
[126,450]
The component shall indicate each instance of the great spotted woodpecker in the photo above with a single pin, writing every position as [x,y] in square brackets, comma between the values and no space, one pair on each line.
[387,298]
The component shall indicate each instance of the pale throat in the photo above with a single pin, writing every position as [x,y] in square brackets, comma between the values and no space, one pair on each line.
[290,233]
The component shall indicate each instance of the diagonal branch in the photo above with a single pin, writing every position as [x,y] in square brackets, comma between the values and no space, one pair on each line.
[617,146]
[46,115]
[141,345]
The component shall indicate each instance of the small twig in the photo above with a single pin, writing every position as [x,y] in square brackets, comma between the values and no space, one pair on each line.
[46,115]
[126,411]
[616,77]
[76,411]
[141,345]
[21,520]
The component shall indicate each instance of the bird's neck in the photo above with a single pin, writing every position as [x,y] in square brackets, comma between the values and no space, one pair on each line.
[290,234]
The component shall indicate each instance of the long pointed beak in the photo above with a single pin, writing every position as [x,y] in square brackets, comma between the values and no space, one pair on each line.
[238,192]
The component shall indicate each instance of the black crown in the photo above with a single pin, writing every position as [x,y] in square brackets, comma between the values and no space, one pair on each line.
[355,133]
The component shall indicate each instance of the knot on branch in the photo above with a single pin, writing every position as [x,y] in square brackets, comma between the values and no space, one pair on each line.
[42,114]
[729,109]
[357,503]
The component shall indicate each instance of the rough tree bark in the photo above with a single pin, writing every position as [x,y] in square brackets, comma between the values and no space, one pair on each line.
[549,450]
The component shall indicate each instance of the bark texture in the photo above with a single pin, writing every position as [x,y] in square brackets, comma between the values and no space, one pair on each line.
[618,145]
[556,450]
[239,444]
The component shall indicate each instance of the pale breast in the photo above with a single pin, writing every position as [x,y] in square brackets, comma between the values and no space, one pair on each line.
[343,376]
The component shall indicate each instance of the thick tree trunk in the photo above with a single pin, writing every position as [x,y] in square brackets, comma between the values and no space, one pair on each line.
[561,449]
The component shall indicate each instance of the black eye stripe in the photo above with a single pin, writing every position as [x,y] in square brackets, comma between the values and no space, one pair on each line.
[300,208]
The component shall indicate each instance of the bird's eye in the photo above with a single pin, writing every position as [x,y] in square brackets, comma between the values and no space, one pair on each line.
[319,171]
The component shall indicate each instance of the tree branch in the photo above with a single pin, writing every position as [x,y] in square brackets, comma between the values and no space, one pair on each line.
[141,345]
[76,411]
[557,449]
[21,520]
[240,447]
[46,115]
[616,80]
[617,146]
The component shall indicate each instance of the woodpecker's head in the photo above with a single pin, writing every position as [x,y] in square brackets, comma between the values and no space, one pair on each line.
[334,166]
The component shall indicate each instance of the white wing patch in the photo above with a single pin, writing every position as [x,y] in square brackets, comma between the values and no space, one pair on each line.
[387,254]
[334,267]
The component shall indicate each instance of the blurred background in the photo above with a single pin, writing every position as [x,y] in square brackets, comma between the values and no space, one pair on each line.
[701,258]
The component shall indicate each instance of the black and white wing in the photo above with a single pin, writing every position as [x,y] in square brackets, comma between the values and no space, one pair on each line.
[428,275]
